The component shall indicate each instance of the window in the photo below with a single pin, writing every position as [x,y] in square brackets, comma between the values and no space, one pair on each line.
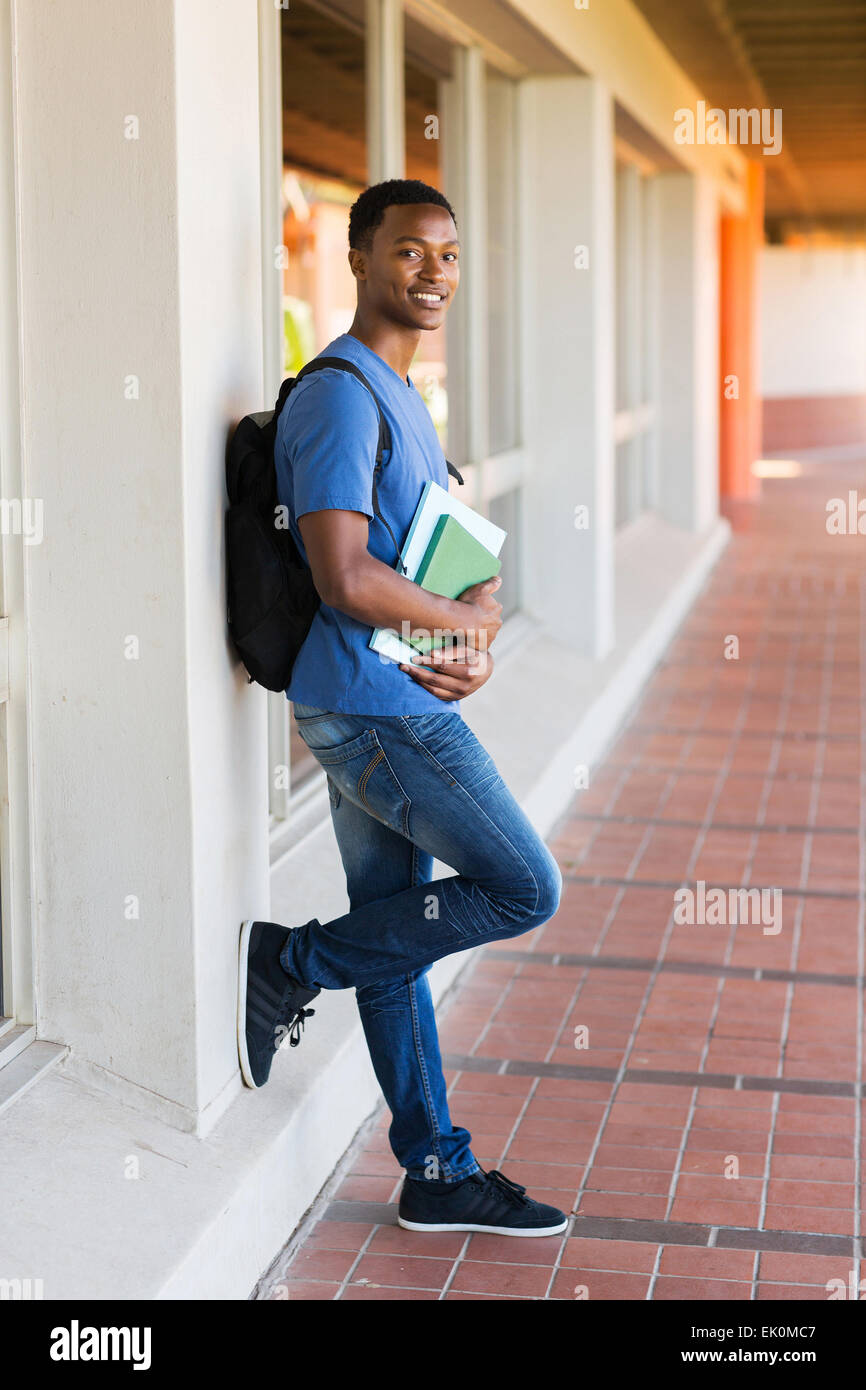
[324,168]
[504,511]
[455,117]
[422,118]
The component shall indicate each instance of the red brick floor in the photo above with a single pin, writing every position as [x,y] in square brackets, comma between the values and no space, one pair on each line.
[707,1135]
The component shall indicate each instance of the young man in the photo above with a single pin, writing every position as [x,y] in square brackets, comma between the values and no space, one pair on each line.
[408,780]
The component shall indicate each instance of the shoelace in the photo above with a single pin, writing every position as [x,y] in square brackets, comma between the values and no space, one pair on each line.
[512,1190]
[298,1025]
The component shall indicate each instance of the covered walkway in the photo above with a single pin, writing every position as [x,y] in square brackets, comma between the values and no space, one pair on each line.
[690,1090]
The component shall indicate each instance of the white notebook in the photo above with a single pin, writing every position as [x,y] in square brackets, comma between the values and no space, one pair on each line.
[435,502]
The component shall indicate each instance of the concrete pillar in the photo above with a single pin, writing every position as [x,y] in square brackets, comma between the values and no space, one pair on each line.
[386,135]
[142,288]
[687,413]
[567,208]
[741,239]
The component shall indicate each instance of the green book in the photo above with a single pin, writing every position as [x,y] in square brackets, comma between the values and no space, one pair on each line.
[453,561]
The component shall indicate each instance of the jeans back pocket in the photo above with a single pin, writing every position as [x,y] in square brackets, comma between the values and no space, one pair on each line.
[359,769]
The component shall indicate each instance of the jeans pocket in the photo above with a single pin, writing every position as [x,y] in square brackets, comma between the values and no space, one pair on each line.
[359,769]
[425,731]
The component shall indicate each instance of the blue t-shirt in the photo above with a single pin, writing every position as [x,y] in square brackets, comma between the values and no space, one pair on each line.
[325,455]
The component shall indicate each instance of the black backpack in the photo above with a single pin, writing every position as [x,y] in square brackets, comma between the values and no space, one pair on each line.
[272,600]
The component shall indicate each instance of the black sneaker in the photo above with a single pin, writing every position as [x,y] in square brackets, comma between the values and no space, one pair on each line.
[482,1202]
[270,1001]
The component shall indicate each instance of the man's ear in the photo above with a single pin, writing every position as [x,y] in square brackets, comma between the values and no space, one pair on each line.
[358,263]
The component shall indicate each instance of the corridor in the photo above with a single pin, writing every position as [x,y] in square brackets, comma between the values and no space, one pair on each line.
[690,1090]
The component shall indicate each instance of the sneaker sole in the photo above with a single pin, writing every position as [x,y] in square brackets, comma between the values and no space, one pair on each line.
[483,1230]
[243,956]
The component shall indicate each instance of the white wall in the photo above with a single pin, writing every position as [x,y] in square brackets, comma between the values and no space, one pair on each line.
[813,321]
[140,258]
[220,312]
[567,202]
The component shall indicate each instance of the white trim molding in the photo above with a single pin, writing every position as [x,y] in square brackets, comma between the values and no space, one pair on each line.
[16,856]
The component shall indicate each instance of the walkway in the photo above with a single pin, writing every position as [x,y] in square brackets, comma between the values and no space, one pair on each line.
[690,1091]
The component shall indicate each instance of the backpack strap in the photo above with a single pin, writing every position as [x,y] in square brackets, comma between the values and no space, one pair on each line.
[319,364]
[342,364]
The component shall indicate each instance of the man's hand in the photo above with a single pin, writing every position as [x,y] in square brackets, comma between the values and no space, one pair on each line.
[486,610]
[456,671]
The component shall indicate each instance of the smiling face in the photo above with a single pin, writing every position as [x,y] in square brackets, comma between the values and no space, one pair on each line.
[410,273]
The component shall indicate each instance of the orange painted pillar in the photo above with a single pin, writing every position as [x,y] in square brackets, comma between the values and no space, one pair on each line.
[740,242]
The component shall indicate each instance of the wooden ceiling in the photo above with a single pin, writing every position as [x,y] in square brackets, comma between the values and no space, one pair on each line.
[324,101]
[324,98]
[806,57]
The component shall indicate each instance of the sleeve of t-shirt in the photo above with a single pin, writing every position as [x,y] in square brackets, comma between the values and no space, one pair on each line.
[332,437]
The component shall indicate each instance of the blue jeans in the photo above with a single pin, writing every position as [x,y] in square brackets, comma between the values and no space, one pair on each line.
[405,789]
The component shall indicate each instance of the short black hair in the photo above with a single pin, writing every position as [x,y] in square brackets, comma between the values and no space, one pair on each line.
[368,210]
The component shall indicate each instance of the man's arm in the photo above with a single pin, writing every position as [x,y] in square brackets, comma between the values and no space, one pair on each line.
[349,578]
